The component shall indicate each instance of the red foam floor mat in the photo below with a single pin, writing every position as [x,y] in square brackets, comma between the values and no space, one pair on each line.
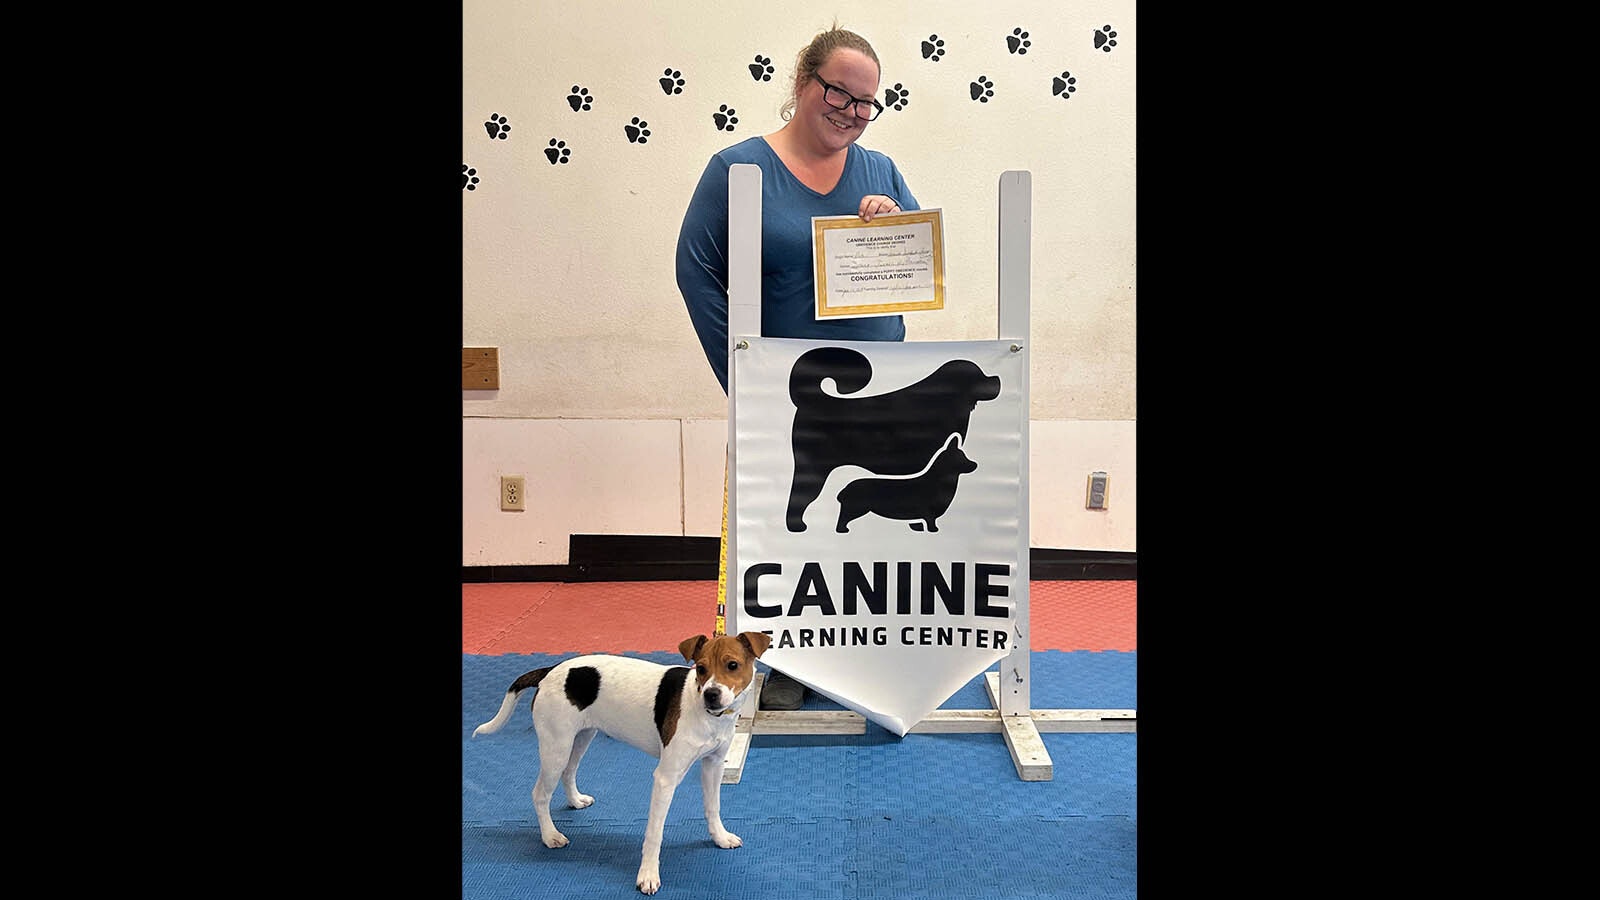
[1084,615]
[650,616]
[488,609]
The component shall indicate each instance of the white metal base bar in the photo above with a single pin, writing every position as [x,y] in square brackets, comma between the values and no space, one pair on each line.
[1028,752]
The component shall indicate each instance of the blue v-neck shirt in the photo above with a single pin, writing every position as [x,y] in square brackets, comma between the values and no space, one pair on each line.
[788,281]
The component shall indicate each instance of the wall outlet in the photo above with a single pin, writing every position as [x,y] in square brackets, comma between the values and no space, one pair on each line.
[513,493]
[1099,488]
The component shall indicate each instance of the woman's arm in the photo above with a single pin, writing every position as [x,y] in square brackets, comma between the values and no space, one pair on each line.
[702,265]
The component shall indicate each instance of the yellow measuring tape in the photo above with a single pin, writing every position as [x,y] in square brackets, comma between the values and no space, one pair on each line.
[722,561]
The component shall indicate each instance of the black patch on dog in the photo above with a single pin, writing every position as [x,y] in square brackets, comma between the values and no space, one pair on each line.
[922,499]
[889,434]
[583,685]
[668,695]
[529,679]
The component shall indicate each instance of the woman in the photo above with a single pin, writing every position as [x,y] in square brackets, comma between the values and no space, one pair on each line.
[809,167]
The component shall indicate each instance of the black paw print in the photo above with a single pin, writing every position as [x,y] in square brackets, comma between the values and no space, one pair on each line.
[932,48]
[496,126]
[671,82]
[579,99]
[1105,38]
[897,97]
[724,117]
[1018,42]
[982,89]
[638,131]
[761,69]
[469,178]
[1064,84]
[557,152]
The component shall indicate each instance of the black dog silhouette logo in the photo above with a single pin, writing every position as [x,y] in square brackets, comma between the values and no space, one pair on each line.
[921,498]
[916,429]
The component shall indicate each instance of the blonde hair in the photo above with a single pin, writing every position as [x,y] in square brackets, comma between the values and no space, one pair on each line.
[814,54]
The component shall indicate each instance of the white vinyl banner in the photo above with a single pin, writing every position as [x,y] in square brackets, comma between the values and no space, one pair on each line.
[878,536]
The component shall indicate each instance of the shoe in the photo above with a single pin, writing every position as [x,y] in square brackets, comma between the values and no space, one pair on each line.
[782,692]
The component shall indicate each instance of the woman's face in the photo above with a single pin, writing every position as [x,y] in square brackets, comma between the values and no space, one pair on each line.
[835,129]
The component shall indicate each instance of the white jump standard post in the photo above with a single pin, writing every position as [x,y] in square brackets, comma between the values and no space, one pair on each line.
[1009,688]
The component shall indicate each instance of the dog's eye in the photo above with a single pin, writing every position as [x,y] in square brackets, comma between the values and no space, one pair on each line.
[733,665]
[700,668]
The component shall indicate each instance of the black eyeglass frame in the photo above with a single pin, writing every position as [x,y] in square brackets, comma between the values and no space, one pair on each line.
[877,108]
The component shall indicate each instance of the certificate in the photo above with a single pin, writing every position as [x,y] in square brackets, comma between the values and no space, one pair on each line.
[893,264]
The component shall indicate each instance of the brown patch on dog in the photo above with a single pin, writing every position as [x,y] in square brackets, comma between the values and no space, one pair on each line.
[669,703]
[755,641]
[690,647]
[712,656]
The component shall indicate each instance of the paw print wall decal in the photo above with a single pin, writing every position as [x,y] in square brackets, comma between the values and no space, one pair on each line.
[671,82]
[761,69]
[724,118]
[579,99]
[896,97]
[1063,85]
[933,48]
[638,131]
[557,152]
[469,178]
[1017,42]
[1105,38]
[982,89]
[497,127]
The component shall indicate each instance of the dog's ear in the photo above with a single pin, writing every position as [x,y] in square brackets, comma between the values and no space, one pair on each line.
[690,647]
[756,642]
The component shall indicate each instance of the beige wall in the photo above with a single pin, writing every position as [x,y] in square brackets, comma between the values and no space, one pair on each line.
[606,403]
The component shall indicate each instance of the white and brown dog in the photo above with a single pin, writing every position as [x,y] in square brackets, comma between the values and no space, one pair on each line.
[656,708]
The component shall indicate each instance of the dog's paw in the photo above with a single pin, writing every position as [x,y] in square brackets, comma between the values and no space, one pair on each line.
[555,840]
[580,801]
[649,880]
[727,840]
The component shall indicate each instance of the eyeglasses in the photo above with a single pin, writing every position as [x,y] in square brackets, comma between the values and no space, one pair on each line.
[839,98]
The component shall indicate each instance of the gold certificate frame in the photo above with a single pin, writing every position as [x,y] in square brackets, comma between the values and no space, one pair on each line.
[891,265]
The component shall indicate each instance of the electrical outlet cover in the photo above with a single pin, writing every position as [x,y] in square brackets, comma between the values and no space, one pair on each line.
[513,493]
[1099,487]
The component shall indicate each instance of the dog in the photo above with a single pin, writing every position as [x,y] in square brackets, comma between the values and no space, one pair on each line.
[888,434]
[658,709]
[923,497]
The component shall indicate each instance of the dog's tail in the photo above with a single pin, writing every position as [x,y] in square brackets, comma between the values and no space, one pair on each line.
[527,682]
[849,370]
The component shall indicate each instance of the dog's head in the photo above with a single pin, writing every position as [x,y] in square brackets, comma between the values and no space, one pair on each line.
[724,667]
[968,382]
[951,459]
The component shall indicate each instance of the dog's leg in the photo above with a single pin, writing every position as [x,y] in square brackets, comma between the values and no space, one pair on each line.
[846,516]
[711,788]
[569,777]
[802,491]
[554,751]
[668,774]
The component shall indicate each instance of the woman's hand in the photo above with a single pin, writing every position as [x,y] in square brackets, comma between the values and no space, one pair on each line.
[874,204]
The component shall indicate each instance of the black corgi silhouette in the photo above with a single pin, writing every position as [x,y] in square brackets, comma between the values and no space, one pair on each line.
[889,434]
[923,497]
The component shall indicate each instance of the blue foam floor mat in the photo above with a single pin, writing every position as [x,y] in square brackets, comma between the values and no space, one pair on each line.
[869,815]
